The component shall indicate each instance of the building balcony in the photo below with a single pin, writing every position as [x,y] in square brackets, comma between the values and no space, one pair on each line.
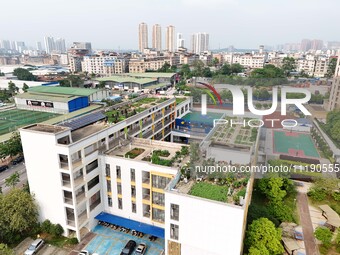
[68,200]
[82,218]
[80,197]
[71,223]
[94,204]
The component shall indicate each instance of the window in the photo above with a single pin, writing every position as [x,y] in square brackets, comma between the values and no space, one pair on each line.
[118,172]
[158,215]
[90,167]
[160,182]
[119,188]
[133,174]
[158,198]
[93,182]
[120,204]
[133,191]
[134,207]
[174,212]
[174,229]
[109,201]
[108,185]
[107,170]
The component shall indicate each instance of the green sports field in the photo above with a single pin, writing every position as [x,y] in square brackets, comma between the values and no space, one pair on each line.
[294,144]
[11,120]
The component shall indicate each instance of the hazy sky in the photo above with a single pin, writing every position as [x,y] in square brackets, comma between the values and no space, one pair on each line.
[113,24]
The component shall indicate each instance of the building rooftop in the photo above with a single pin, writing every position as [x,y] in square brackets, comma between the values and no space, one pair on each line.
[87,131]
[46,97]
[46,128]
[128,79]
[236,136]
[152,75]
[226,187]
[117,115]
[153,151]
[63,90]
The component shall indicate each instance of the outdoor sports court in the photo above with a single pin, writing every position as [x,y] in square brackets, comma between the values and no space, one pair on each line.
[108,241]
[294,144]
[11,120]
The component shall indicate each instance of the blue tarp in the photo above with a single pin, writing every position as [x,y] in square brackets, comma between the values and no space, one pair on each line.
[127,223]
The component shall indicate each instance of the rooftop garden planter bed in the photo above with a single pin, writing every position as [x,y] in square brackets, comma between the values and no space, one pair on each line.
[134,153]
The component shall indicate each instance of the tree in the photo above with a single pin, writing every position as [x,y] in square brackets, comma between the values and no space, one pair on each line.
[56,230]
[331,68]
[264,238]
[206,72]
[25,87]
[225,69]
[11,147]
[215,62]
[198,66]
[273,189]
[236,68]
[13,180]
[24,74]
[5,250]
[288,65]
[19,214]
[12,88]
[185,71]
[324,235]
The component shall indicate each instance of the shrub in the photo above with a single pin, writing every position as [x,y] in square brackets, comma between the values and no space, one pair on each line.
[324,235]
[46,226]
[317,194]
[336,196]
[56,230]
[281,211]
[73,240]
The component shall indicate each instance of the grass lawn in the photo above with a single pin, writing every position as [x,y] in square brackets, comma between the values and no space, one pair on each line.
[210,191]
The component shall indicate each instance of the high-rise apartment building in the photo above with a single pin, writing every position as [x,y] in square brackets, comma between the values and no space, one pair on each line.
[170,38]
[143,36]
[199,42]
[49,44]
[334,98]
[305,45]
[39,46]
[157,37]
[20,46]
[60,45]
[316,44]
[180,41]
[5,44]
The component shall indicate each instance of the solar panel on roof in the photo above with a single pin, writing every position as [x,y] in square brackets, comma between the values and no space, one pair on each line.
[83,121]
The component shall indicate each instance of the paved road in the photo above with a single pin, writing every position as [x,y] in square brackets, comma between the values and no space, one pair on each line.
[306,223]
[12,169]
[45,250]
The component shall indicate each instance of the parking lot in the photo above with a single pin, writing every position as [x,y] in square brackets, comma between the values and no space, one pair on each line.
[111,242]
[46,249]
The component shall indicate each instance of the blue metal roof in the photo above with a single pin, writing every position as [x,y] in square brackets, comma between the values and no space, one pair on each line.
[127,223]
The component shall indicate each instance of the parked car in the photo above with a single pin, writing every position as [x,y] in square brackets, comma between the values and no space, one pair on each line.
[129,247]
[3,168]
[35,247]
[84,252]
[141,249]
[18,160]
